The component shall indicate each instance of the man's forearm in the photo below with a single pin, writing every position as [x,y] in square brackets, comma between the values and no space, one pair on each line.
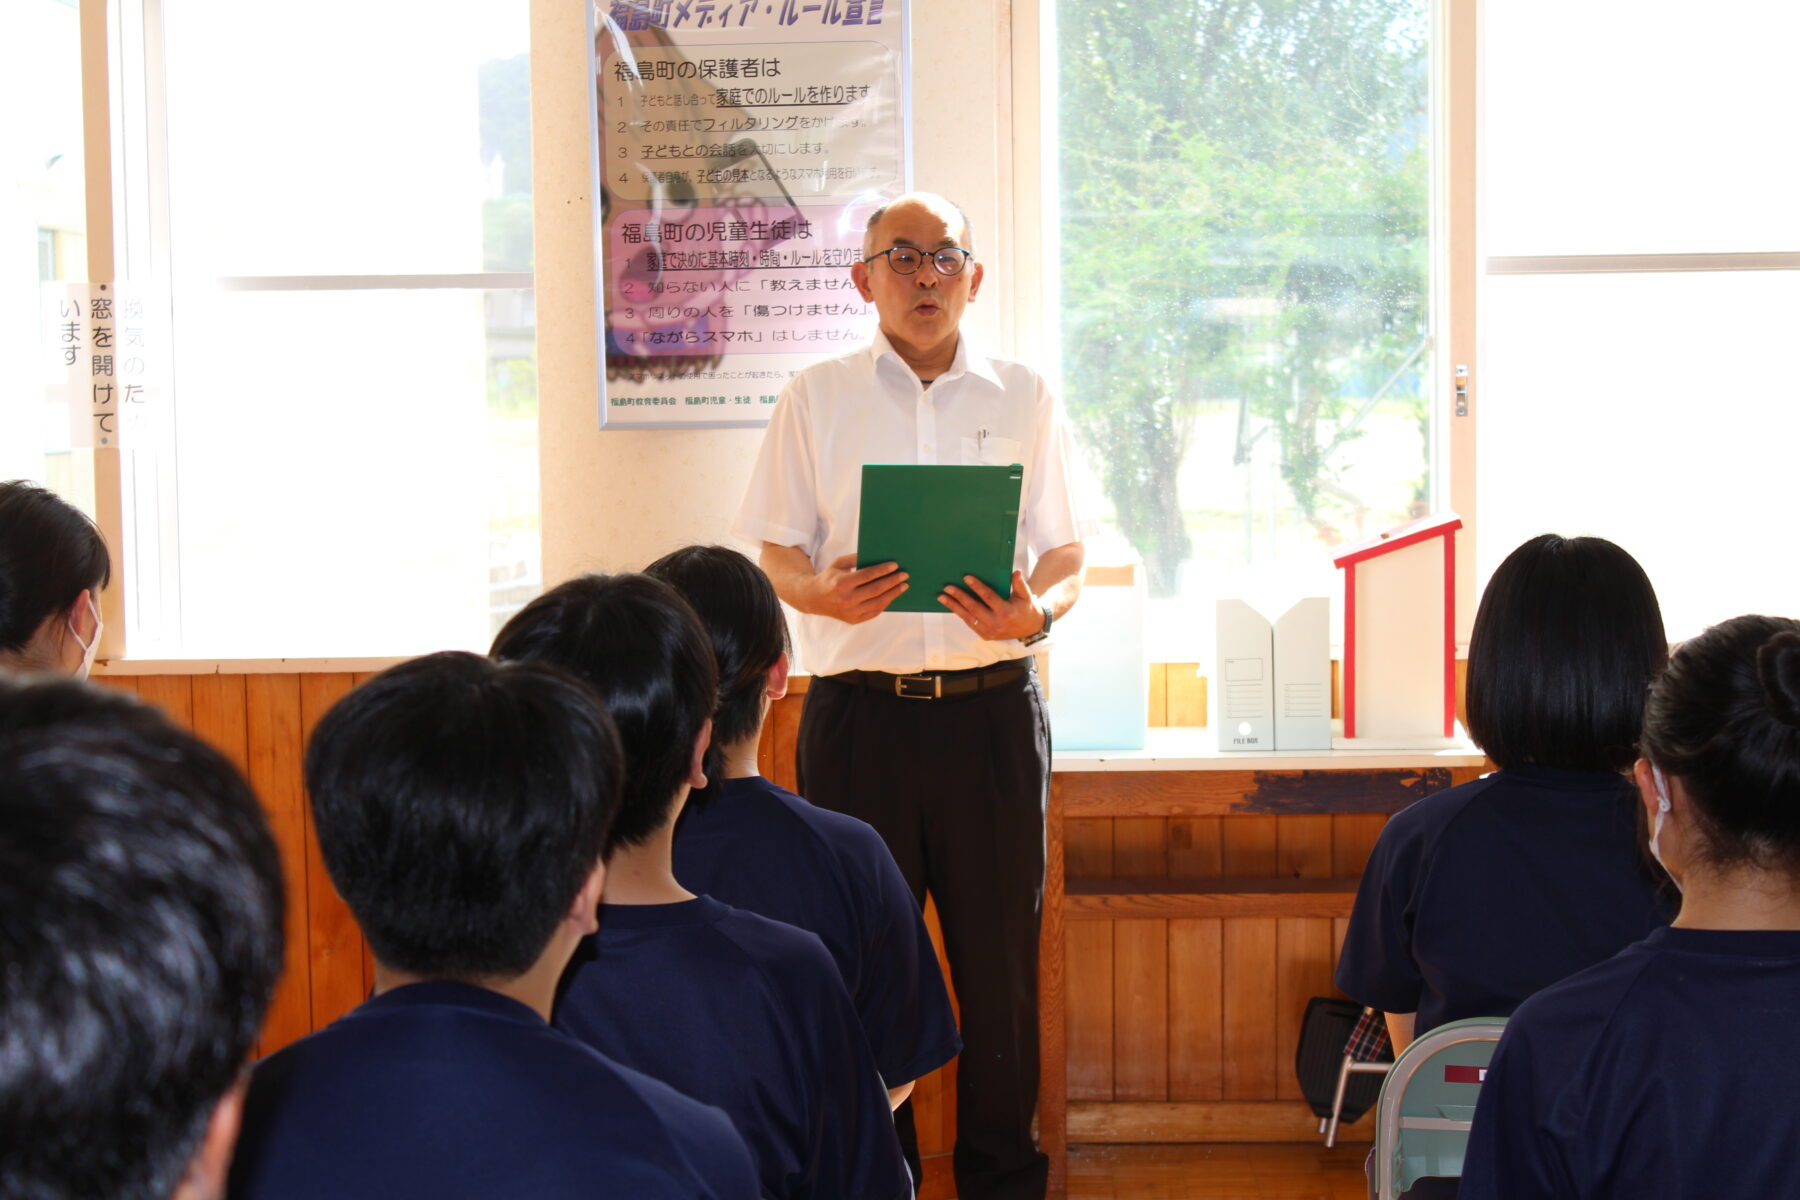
[1056,579]
[790,570]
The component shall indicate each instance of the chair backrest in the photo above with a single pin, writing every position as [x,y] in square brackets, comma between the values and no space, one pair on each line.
[1427,1102]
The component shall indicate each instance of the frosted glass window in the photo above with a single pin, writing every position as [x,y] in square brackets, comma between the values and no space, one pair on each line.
[342,138]
[43,222]
[355,462]
[1659,411]
[1640,127]
[338,503]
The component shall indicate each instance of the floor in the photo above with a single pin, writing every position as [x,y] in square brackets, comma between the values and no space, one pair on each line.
[1218,1172]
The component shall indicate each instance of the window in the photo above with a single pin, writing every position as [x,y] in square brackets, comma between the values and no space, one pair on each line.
[1642,287]
[1243,239]
[43,228]
[341,207]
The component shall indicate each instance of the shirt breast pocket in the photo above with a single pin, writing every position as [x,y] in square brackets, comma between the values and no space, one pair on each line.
[990,452]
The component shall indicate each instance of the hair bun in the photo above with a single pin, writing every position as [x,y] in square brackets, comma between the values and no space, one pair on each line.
[1778,670]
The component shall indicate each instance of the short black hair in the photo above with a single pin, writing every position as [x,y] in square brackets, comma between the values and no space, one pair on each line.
[49,554]
[460,805]
[141,936]
[737,604]
[642,648]
[1566,641]
[1725,719]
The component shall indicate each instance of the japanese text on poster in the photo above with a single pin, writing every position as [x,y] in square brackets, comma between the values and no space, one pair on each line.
[742,148]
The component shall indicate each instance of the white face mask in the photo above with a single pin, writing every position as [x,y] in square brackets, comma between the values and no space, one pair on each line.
[88,649]
[1662,811]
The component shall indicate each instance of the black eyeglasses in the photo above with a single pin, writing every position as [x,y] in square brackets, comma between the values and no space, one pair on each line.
[905,260]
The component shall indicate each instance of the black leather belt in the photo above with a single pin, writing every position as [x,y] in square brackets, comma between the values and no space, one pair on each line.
[937,685]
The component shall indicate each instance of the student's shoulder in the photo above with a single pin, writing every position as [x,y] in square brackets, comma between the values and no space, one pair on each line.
[792,963]
[838,834]
[1426,821]
[1571,1018]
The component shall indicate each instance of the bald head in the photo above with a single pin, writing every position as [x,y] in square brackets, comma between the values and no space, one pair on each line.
[950,213]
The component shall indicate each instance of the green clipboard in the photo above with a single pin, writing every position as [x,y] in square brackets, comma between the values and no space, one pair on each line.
[939,524]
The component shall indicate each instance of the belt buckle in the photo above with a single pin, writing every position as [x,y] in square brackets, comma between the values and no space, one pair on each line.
[933,686]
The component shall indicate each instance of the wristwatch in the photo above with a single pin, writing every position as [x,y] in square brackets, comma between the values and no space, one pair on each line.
[1043,633]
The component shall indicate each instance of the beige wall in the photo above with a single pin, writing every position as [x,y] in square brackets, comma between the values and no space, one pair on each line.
[617,500]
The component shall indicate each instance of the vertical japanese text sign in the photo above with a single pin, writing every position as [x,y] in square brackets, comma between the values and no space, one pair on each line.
[742,146]
[101,353]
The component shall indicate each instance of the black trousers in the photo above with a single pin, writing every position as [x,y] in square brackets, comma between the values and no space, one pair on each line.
[957,787]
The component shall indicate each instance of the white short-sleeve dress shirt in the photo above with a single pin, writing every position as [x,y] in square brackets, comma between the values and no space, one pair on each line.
[869,407]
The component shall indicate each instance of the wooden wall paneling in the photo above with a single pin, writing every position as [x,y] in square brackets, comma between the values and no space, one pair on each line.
[1303,966]
[1250,793]
[1196,1009]
[1052,1000]
[1088,959]
[1303,846]
[1352,838]
[118,683]
[1249,846]
[174,694]
[273,729]
[337,982]
[1196,848]
[1140,969]
[1249,966]
[1088,968]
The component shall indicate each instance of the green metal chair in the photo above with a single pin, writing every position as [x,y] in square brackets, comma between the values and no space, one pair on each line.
[1427,1102]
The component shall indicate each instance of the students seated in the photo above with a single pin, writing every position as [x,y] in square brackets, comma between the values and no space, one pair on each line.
[1667,1071]
[53,565]
[757,846]
[461,808]
[729,1007]
[140,939]
[1476,897]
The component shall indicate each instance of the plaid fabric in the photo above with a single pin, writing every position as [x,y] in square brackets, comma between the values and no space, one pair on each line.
[1369,1041]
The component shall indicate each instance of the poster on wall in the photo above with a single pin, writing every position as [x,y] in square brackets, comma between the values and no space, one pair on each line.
[742,145]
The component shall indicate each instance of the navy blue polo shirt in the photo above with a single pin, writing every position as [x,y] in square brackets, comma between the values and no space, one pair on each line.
[750,1015]
[759,847]
[1476,897]
[440,1091]
[1665,1073]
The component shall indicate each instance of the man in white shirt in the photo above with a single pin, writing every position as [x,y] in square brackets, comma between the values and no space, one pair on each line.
[931,726]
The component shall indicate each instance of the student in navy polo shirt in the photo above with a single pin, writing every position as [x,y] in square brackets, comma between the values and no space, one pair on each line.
[1476,897]
[140,939]
[461,809]
[754,845]
[1667,1072]
[729,1007]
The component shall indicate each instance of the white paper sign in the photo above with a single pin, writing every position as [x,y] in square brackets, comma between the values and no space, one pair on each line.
[106,360]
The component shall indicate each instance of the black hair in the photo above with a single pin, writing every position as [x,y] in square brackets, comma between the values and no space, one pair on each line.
[1725,719]
[49,554]
[1566,641]
[460,805]
[737,604]
[141,937]
[643,649]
